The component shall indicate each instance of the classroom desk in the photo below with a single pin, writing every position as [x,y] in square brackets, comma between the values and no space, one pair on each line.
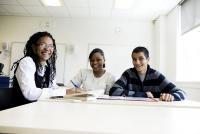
[73,117]
[176,104]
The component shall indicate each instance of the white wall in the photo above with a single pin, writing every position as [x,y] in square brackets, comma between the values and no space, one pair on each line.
[77,32]
[159,42]
[167,33]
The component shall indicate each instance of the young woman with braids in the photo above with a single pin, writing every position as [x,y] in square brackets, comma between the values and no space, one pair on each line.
[34,75]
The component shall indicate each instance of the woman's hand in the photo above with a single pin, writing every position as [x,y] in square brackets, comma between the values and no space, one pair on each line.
[73,91]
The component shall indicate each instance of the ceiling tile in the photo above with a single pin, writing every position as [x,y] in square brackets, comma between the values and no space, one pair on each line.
[101,3]
[30,2]
[102,13]
[148,6]
[20,14]
[4,14]
[2,9]
[58,11]
[14,9]
[77,3]
[79,12]
[141,9]
[36,11]
[122,13]
[8,2]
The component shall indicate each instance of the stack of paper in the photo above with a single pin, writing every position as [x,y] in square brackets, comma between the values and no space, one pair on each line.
[106,97]
[84,96]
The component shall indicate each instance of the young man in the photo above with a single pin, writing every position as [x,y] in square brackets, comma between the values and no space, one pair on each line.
[143,81]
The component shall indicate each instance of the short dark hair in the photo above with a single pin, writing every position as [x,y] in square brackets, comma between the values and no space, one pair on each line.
[141,49]
[97,50]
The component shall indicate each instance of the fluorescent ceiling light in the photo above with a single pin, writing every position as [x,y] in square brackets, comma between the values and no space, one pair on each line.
[52,2]
[123,4]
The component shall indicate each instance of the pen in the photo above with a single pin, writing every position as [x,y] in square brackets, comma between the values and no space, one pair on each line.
[55,97]
[76,86]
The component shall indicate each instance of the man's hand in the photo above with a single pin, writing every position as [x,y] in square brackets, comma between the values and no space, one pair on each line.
[166,97]
[73,91]
[149,94]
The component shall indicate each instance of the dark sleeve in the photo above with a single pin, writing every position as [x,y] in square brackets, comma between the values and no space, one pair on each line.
[168,87]
[119,87]
[178,94]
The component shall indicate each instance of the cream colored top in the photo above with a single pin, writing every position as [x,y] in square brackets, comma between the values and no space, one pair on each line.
[85,79]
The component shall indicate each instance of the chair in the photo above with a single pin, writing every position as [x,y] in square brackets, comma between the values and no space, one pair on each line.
[5,98]
[1,68]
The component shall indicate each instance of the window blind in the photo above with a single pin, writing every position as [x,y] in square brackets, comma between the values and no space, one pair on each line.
[190,15]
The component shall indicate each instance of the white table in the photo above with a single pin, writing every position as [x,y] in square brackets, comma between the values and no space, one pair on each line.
[92,100]
[61,116]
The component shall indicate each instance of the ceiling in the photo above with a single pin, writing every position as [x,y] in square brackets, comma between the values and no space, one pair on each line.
[103,9]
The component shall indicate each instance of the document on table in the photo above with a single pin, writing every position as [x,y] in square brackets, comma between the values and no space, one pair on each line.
[84,96]
[106,97]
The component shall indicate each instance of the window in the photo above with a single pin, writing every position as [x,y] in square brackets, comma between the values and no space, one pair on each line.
[188,54]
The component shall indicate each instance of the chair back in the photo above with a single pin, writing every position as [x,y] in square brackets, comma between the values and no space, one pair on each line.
[1,68]
[6,98]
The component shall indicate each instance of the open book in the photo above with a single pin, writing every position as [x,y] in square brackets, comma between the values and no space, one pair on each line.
[79,96]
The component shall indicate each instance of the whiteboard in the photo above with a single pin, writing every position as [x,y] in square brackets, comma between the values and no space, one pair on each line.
[117,57]
[17,53]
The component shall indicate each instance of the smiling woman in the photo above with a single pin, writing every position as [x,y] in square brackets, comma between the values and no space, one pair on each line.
[17,49]
[44,49]
[34,75]
[96,78]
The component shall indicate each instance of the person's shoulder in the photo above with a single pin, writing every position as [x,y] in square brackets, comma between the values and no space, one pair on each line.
[129,70]
[109,74]
[26,60]
[154,72]
[85,71]
[27,63]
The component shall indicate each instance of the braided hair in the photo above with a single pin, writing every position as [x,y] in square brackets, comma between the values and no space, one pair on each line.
[28,51]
